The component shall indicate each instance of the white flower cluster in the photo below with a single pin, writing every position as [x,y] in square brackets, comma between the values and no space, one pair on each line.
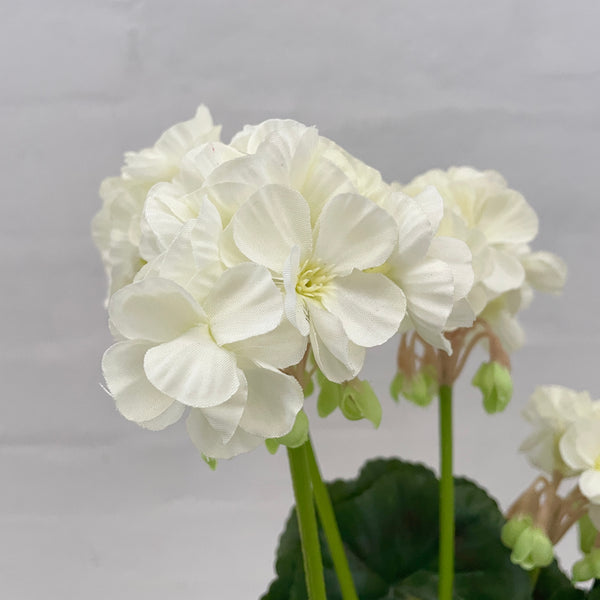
[566,438]
[498,225]
[228,262]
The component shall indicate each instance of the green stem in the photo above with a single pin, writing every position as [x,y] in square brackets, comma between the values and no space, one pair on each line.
[446,496]
[307,523]
[330,528]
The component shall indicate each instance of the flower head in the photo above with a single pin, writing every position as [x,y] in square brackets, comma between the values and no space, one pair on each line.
[498,225]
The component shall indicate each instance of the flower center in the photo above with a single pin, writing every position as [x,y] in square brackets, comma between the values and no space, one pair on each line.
[311,280]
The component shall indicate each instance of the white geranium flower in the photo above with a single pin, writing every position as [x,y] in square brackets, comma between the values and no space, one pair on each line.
[116,227]
[220,357]
[552,410]
[435,273]
[329,295]
[497,224]
[580,450]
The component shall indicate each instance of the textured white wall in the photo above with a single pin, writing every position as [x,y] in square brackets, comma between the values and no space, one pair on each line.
[93,507]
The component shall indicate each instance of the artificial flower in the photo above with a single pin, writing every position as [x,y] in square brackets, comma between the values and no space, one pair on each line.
[216,345]
[329,293]
[580,450]
[116,227]
[497,224]
[552,409]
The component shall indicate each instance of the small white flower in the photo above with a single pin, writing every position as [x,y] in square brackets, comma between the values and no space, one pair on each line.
[330,296]
[580,450]
[552,410]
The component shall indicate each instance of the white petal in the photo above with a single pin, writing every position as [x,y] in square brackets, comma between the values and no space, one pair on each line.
[568,450]
[369,306]
[280,348]
[154,309]
[432,204]
[545,271]
[228,197]
[507,328]
[210,442]
[324,181]
[193,369]
[338,358]
[225,418]
[192,260]
[170,416]
[506,218]
[462,315]
[274,400]
[295,309]
[429,290]
[456,254]
[136,398]
[251,170]
[270,224]
[252,136]
[588,440]
[201,161]
[229,252]
[243,303]
[353,232]
[507,274]
[166,209]
[589,484]
[414,228]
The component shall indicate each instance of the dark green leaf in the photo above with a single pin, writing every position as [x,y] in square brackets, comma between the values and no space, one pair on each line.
[388,519]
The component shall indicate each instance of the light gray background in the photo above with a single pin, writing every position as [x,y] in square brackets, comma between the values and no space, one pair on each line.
[93,507]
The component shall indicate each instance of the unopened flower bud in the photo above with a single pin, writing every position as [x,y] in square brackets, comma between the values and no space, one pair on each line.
[588,567]
[495,383]
[532,549]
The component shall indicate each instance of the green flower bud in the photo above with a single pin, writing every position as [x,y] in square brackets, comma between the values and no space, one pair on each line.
[420,389]
[513,528]
[588,567]
[532,549]
[295,438]
[495,383]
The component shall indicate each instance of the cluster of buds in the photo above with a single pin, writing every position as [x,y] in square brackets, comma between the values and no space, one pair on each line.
[423,368]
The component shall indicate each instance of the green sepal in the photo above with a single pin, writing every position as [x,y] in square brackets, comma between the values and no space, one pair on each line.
[397,386]
[495,382]
[587,534]
[309,387]
[359,401]
[211,462]
[295,438]
[330,396]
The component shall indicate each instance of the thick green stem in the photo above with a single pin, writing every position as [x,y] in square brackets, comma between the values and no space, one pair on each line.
[330,528]
[307,523]
[446,496]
